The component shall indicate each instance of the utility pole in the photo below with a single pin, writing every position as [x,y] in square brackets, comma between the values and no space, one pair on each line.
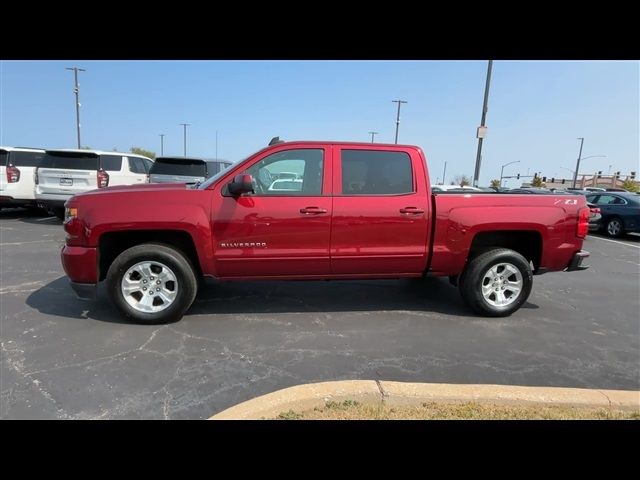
[575,174]
[482,130]
[162,144]
[185,125]
[399,102]
[373,134]
[77,92]
[444,172]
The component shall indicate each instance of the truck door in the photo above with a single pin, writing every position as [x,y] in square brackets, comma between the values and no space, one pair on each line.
[283,228]
[380,212]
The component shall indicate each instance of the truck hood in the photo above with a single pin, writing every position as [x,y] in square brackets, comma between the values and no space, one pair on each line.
[147,187]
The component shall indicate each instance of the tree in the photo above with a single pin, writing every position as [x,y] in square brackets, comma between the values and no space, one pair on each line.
[462,180]
[495,183]
[537,182]
[630,186]
[143,152]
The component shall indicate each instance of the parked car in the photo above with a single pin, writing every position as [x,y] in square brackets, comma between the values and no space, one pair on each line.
[17,166]
[620,211]
[188,170]
[64,173]
[367,212]
[595,217]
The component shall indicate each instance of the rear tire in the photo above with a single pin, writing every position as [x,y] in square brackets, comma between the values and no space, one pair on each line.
[614,227]
[496,283]
[152,283]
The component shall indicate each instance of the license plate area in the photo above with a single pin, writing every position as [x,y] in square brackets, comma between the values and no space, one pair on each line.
[66,181]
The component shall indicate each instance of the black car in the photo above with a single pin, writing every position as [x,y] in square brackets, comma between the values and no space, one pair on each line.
[620,211]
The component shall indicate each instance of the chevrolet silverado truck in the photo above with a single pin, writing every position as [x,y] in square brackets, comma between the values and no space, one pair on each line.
[358,211]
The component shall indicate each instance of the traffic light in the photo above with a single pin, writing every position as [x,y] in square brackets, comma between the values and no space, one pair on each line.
[553,180]
[535,175]
[633,175]
[599,173]
[618,174]
[563,181]
[544,179]
[518,177]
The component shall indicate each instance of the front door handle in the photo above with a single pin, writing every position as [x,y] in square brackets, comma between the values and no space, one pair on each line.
[411,210]
[312,210]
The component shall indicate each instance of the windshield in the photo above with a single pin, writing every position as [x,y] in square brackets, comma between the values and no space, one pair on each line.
[170,166]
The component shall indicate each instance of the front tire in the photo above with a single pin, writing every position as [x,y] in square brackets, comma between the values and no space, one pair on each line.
[614,228]
[496,283]
[152,283]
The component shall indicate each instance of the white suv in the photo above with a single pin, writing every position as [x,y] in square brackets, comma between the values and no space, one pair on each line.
[16,175]
[63,173]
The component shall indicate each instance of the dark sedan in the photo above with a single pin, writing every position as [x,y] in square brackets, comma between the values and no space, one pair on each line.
[620,211]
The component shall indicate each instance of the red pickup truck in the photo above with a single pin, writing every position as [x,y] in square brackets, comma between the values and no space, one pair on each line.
[339,211]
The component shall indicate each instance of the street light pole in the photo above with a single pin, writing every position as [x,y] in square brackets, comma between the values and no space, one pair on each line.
[575,175]
[444,172]
[77,92]
[502,169]
[185,125]
[476,174]
[399,102]
[373,134]
[162,144]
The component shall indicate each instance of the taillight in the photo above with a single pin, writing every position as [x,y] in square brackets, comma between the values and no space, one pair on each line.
[583,222]
[595,210]
[13,174]
[103,179]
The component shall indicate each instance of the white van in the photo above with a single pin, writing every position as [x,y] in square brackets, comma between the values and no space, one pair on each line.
[63,173]
[17,166]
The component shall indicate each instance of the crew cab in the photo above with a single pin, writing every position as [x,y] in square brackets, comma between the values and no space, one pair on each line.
[362,211]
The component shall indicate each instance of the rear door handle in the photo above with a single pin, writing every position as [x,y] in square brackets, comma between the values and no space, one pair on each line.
[411,210]
[312,210]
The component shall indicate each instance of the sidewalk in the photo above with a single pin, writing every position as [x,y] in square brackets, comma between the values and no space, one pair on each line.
[312,395]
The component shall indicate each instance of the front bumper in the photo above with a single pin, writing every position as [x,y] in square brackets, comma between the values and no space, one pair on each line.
[576,261]
[81,266]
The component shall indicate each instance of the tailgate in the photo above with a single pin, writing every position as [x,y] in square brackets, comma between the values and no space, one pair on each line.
[54,180]
[68,172]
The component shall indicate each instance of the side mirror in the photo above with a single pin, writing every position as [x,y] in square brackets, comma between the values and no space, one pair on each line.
[242,183]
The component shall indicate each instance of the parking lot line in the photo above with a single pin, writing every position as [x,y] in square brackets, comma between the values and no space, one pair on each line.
[615,241]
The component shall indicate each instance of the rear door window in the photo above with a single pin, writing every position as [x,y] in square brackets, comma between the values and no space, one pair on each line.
[372,172]
[147,164]
[111,163]
[136,165]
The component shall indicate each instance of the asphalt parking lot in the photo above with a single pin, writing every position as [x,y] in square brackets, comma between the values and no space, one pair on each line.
[66,358]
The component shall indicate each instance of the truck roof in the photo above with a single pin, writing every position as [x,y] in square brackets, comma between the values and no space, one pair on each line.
[337,142]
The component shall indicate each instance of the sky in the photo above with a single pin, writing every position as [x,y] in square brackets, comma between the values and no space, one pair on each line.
[537,109]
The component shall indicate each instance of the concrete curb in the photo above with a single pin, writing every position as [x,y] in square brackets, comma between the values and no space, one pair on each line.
[312,395]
